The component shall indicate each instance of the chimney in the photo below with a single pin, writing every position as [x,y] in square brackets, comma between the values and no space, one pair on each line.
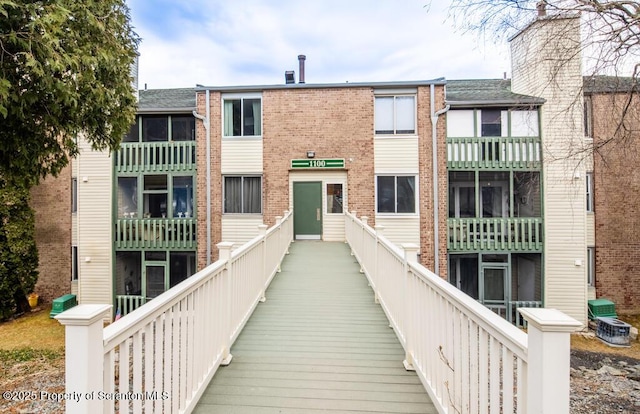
[542,8]
[301,59]
[289,77]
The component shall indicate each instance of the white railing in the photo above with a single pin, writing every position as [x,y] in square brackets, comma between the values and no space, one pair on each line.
[160,357]
[469,359]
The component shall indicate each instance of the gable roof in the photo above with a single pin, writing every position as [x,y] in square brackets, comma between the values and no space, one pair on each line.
[485,92]
[167,100]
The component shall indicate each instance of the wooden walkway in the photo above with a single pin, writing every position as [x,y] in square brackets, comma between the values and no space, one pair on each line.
[318,344]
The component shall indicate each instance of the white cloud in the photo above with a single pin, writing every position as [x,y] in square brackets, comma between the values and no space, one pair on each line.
[252,42]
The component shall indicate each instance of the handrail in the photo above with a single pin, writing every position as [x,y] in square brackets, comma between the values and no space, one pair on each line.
[469,359]
[494,152]
[161,356]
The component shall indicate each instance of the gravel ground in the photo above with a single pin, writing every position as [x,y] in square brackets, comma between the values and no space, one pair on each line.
[600,384]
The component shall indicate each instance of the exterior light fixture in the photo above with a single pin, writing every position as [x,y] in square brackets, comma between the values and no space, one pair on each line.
[311,154]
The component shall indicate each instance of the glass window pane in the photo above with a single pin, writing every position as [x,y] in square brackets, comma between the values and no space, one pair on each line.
[406,195]
[251,114]
[155,128]
[127,197]
[252,195]
[491,123]
[128,273]
[155,182]
[467,202]
[134,133]
[232,195]
[182,265]
[183,128]
[405,115]
[182,197]
[155,281]
[494,284]
[384,115]
[386,194]
[334,199]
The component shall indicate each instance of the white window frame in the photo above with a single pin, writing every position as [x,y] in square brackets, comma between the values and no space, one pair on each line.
[415,196]
[74,263]
[242,177]
[241,97]
[395,114]
[591,266]
[344,197]
[589,192]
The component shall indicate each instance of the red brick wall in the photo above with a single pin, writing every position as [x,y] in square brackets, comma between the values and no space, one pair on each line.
[51,201]
[201,178]
[617,202]
[335,123]
[425,144]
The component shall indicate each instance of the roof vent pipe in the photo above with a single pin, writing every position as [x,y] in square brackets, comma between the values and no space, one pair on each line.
[542,8]
[301,59]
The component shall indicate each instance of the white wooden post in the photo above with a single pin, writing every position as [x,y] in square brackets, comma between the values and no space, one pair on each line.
[410,255]
[84,358]
[224,253]
[376,267]
[364,220]
[262,232]
[548,360]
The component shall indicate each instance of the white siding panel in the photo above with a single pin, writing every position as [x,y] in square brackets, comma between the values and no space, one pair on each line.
[241,156]
[460,123]
[524,123]
[400,229]
[95,183]
[396,155]
[333,227]
[240,228]
[534,52]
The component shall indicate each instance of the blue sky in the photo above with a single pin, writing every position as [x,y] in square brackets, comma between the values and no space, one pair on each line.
[253,42]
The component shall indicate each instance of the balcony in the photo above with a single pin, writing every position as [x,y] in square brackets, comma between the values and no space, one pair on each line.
[495,234]
[166,156]
[494,153]
[162,233]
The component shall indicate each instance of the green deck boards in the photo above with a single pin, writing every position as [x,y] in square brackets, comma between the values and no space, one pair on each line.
[318,344]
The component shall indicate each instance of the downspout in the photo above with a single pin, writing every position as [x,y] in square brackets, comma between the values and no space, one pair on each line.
[206,122]
[434,147]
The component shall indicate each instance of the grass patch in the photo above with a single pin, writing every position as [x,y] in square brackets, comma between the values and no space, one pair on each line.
[34,330]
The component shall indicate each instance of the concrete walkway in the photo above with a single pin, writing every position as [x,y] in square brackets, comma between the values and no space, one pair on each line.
[318,344]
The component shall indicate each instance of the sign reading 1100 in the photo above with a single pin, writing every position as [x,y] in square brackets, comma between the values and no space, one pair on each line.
[319,163]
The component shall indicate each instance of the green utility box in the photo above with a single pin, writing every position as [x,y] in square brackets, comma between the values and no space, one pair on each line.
[601,308]
[62,303]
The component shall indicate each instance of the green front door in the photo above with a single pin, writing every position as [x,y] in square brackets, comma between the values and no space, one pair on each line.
[307,210]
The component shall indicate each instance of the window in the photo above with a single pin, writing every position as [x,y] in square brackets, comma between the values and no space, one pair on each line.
[395,115]
[155,128]
[182,205]
[491,123]
[74,195]
[591,266]
[155,196]
[242,117]
[334,199]
[396,194]
[587,115]
[134,133]
[589,184]
[74,263]
[243,195]
[183,128]
[127,195]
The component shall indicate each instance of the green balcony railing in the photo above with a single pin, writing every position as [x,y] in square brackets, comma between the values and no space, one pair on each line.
[513,153]
[495,234]
[149,233]
[156,156]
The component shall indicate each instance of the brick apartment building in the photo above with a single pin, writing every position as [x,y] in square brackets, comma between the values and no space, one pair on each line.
[478,173]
